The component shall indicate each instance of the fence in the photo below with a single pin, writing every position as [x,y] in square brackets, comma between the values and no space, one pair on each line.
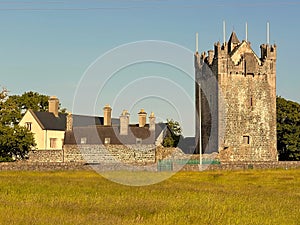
[168,164]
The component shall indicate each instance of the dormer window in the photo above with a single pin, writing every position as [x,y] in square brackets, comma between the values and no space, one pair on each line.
[83,140]
[107,141]
[138,141]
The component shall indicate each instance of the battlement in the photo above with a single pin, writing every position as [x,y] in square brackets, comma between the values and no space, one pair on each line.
[268,51]
[221,50]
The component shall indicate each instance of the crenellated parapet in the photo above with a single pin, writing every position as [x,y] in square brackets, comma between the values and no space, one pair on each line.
[268,52]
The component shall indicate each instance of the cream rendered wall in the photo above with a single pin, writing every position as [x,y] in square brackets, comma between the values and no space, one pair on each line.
[59,135]
[35,129]
[42,137]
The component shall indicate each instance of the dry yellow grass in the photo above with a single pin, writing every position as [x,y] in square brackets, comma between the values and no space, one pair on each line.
[239,197]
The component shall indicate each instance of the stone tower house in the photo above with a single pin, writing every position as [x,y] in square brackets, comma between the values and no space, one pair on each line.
[237,101]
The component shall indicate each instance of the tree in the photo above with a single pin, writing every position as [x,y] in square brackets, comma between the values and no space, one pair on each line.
[288,129]
[176,131]
[15,106]
[15,142]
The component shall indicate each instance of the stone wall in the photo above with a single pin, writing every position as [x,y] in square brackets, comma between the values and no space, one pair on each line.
[138,154]
[42,166]
[46,156]
[243,166]
[58,166]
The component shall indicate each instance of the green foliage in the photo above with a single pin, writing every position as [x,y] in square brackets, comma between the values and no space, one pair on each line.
[34,101]
[168,142]
[6,159]
[175,135]
[174,127]
[288,129]
[15,142]
[13,107]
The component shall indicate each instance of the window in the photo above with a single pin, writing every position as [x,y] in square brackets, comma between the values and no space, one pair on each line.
[246,140]
[53,142]
[106,141]
[139,141]
[28,125]
[83,140]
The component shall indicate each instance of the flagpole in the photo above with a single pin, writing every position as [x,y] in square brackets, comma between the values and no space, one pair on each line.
[200,126]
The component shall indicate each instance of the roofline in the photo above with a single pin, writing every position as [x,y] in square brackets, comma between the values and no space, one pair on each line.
[36,118]
[241,43]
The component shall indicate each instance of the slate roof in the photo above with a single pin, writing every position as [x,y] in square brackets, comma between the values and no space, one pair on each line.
[97,134]
[48,121]
[187,145]
[82,121]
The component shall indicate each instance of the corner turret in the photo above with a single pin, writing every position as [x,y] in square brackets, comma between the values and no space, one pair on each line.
[268,52]
[233,42]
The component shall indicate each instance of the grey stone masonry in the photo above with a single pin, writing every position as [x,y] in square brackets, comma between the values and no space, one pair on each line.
[238,101]
[132,154]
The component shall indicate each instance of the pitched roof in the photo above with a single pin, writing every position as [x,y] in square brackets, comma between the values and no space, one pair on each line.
[233,38]
[82,121]
[97,134]
[243,49]
[49,121]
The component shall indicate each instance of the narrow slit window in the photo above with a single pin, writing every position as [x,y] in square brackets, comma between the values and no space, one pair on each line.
[246,140]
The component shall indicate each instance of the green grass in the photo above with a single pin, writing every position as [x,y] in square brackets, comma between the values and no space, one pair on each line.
[238,197]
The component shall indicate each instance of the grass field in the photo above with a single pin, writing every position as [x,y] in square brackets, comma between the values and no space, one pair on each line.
[239,197]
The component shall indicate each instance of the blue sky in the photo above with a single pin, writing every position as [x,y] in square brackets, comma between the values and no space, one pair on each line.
[47,46]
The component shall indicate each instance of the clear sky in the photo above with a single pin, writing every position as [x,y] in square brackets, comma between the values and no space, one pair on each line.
[48,46]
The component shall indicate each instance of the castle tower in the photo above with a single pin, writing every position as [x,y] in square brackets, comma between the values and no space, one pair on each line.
[236,103]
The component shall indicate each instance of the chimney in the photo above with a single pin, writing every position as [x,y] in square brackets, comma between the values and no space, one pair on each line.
[53,105]
[69,126]
[152,122]
[124,122]
[107,115]
[142,118]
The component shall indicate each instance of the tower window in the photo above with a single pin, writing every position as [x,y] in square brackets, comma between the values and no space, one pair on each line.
[246,140]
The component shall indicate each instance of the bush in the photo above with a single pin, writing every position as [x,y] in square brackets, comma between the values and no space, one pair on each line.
[6,159]
[168,142]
